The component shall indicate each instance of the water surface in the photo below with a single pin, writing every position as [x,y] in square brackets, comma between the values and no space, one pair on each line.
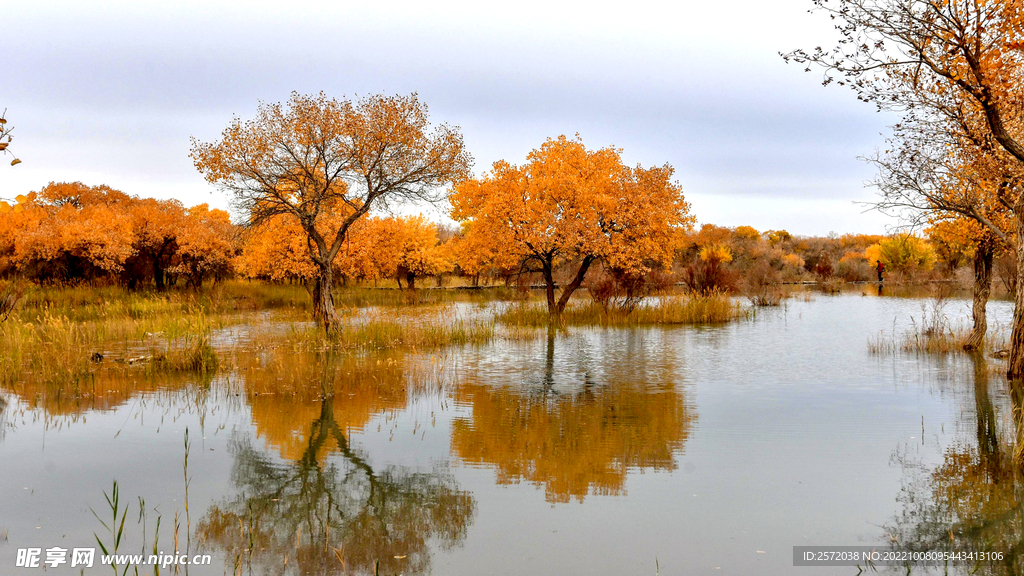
[685,450]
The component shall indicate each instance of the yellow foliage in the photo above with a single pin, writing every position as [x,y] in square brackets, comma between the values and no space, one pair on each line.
[715,253]
[903,252]
[793,260]
[746,233]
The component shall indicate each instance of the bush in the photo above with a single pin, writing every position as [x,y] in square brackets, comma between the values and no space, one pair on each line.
[763,286]
[831,285]
[615,289]
[854,269]
[904,253]
[707,273]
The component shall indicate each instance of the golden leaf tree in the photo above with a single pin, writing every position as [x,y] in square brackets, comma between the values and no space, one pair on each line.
[943,171]
[206,245]
[156,224]
[68,232]
[314,157]
[976,241]
[934,61]
[417,251]
[568,204]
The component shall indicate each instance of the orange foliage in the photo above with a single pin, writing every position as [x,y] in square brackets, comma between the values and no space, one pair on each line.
[323,164]
[373,248]
[206,245]
[569,203]
[69,232]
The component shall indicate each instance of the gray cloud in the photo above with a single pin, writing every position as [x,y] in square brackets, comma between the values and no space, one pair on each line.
[113,92]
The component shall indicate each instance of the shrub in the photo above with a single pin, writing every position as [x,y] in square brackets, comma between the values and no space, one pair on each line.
[708,273]
[616,289]
[903,253]
[762,285]
[831,285]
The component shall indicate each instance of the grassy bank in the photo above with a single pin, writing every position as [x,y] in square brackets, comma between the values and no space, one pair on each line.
[666,310]
[67,337]
[436,327]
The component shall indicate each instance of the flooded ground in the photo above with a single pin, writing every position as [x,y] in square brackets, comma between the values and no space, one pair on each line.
[690,450]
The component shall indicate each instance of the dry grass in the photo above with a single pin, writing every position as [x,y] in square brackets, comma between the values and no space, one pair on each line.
[714,308]
[933,333]
[414,328]
[831,285]
[66,340]
[767,296]
[950,341]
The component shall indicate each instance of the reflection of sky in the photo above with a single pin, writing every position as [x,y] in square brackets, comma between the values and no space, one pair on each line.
[110,92]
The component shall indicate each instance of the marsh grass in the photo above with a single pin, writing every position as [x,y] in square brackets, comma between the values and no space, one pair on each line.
[69,347]
[714,308]
[949,341]
[767,296]
[831,285]
[58,349]
[933,333]
[378,330]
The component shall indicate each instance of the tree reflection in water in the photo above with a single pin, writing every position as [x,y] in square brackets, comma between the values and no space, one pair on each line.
[972,501]
[326,509]
[581,441]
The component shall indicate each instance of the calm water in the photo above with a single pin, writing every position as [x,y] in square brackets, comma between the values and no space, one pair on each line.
[593,451]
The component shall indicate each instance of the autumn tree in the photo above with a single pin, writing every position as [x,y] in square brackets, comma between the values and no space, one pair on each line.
[70,232]
[276,250]
[925,58]
[568,204]
[973,240]
[315,157]
[156,224]
[941,170]
[474,253]
[206,245]
[418,252]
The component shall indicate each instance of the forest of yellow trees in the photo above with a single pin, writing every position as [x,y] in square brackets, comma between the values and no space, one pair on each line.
[315,181]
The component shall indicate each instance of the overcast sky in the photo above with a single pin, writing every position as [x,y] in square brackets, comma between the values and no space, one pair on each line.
[111,92]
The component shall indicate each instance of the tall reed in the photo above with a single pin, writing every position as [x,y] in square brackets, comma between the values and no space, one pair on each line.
[713,308]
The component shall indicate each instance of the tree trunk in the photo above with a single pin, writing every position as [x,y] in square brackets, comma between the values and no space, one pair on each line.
[574,285]
[322,292]
[983,255]
[410,280]
[549,288]
[158,275]
[1015,366]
